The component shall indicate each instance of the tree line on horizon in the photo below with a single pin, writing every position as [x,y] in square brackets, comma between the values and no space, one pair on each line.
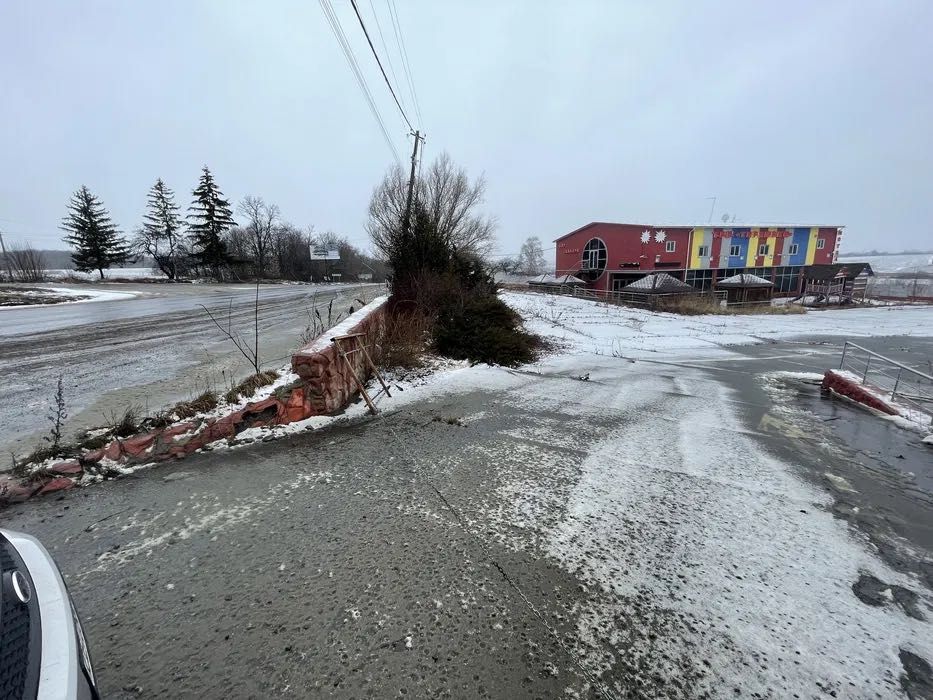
[207,242]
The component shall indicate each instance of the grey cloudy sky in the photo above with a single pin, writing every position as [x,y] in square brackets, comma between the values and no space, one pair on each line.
[808,112]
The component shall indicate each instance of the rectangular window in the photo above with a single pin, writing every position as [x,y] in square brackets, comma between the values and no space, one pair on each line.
[671,245]
[820,243]
[763,249]
[704,251]
[735,251]
[793,249]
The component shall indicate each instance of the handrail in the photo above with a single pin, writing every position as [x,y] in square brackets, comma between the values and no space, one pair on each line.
[882,357]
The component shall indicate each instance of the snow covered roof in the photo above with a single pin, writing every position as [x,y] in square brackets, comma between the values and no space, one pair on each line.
[744,280]
[659,282]
[555,279]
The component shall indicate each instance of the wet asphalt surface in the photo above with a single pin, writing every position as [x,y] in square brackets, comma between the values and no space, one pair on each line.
[359,560]
[150,351]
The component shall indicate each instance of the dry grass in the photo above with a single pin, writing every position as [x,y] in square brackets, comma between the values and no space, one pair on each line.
[248,386]
[406,339]
[698,305]
[203,403]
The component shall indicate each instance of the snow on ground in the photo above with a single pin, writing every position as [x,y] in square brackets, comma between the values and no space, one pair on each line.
[80,296]
[710,563]
[606,329]
[110,273]
[894,263]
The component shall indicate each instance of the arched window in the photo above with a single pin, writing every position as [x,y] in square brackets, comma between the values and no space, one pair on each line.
[594,256]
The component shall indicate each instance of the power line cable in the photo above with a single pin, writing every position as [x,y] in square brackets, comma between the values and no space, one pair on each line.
[379,62]
[385,48]
[403,53]
[337,29]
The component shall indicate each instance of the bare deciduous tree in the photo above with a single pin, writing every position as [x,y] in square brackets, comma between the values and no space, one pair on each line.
[448,197]
[261,222]
[26,263]
[531,259]
[240,343]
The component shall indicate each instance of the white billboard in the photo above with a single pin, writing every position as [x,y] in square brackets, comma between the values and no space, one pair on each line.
[324,254]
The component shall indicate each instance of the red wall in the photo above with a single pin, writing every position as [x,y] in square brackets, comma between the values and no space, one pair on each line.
[623,245]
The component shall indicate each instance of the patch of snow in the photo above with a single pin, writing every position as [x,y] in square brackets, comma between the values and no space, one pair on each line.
[345,325]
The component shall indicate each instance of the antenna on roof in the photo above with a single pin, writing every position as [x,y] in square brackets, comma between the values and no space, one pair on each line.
[725,218]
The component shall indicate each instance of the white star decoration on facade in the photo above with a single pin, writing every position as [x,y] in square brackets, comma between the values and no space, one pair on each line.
[645,236]
[660,236]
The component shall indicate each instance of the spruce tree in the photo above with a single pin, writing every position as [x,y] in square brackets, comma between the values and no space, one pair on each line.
[160,235]
[209,218]
[96,241]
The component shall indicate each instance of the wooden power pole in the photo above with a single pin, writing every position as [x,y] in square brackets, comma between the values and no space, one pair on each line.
[411,180]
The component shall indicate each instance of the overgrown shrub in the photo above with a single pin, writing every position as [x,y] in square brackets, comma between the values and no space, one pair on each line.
[484,329]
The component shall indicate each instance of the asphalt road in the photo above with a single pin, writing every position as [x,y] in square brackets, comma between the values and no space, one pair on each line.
[539,536]
[149,351]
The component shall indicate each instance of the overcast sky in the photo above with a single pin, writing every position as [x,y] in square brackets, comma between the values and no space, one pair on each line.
[807,112]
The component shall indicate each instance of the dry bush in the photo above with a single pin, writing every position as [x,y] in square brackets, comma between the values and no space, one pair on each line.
[248,386]
[694,305]
[406,338]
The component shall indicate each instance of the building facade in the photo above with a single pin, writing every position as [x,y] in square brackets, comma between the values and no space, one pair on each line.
[610,256]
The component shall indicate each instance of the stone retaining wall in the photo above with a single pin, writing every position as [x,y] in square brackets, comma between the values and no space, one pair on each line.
[324,385]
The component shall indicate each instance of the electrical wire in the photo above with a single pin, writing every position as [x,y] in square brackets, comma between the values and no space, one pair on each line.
[379,62]
[403,53]
[385,49]
[337,29]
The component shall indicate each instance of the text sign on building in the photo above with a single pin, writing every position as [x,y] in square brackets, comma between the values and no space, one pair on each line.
[761,233]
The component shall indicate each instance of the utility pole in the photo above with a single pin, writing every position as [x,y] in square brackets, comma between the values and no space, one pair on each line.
[6,258]
[411,180]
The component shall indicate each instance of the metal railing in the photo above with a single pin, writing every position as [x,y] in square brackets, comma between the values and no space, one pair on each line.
[630,298]
[908,387]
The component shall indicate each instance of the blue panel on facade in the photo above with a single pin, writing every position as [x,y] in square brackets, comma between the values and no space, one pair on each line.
[801,240]
[740,239]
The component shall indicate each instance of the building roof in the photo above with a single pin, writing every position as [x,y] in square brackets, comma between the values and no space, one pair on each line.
[555,279]
[659,283]
[744,279]
[828,272]
[720,225]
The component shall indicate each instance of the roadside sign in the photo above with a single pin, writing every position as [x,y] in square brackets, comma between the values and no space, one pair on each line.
[318,253]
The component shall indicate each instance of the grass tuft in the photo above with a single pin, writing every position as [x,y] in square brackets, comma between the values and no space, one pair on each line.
[248,386]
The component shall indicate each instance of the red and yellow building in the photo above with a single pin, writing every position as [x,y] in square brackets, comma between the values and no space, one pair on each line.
[610,256]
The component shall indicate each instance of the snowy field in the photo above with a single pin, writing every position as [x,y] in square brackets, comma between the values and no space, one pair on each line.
[134,273]
[65,295]
[922,262]
[605,329]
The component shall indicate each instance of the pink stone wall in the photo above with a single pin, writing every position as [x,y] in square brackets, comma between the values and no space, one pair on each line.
[328,381]
[326,385]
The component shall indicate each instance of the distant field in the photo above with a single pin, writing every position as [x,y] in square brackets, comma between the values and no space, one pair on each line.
[894,263]
[113,273]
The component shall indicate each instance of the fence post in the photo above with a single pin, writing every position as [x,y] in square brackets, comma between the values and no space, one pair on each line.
[842,362]
[896,382]
[867,364]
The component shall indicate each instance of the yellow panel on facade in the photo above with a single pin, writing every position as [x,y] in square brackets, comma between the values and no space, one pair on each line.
[696,242]
[811,245]
[772,247]
[752,248]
